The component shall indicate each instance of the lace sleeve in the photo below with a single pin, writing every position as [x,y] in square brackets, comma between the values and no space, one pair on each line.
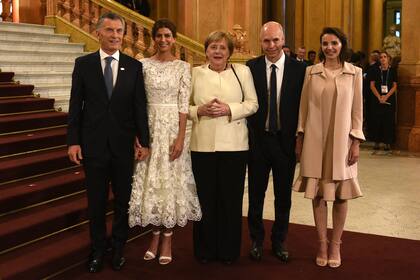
[184,89]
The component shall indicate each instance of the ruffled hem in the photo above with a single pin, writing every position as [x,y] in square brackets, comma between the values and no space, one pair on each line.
[181,222]
[328,189]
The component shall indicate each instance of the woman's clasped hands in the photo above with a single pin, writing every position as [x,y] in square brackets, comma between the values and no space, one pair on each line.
[214,108]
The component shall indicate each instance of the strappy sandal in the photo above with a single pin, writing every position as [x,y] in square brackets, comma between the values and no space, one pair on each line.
[164,260]
[334,263]
[149,255]
[322,261]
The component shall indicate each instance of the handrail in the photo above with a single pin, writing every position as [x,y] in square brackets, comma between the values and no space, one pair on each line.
[147,22]
[82,16]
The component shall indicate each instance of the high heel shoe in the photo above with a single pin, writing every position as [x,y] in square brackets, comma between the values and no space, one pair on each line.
[322,261]
[164,260]
[334,263]
[149,255]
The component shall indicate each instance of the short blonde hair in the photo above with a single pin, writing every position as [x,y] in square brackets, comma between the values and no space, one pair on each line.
[217,36]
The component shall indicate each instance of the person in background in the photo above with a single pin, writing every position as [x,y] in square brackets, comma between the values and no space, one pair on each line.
[286,50]
[223,95]
[278,80]
[311,57]
[383,84]
[301,54]
[164,193]
[329,133]
[368,96]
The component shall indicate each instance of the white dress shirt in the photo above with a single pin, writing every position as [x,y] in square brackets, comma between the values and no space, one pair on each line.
[114,64]
[279,75]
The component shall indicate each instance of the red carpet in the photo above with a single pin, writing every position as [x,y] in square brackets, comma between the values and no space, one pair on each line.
[365,256]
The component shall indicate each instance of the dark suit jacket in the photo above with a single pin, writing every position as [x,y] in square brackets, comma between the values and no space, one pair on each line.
[97,123]
[294,74]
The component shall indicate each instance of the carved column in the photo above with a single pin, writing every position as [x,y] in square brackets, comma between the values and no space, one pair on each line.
[140,44]
[51,7]
[408,120]
[128,39]
[85,15]
[358,23]
[6,14]
[76,14]
[375,24]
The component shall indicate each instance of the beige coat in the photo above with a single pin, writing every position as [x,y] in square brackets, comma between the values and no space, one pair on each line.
[348,120]
[222,133]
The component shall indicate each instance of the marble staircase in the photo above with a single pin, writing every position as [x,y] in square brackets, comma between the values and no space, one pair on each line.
[40,57]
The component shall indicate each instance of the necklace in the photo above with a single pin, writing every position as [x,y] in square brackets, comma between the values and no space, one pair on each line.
[226,65]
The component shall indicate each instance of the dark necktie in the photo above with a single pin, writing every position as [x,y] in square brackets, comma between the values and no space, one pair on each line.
[108,75]
[272,121]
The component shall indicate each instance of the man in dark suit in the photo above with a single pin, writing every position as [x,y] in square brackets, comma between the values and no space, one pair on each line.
[278,81]
[107,111]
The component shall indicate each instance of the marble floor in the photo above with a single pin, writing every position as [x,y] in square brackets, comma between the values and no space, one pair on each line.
[390,205]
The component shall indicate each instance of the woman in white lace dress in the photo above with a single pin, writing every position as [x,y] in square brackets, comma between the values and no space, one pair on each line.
[164,193]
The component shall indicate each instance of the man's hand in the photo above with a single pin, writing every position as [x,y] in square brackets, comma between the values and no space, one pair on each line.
[75,153]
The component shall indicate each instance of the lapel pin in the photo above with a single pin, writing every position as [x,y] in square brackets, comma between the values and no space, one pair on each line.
[122,68]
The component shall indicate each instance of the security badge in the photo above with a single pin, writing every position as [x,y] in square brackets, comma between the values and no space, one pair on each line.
[384,89]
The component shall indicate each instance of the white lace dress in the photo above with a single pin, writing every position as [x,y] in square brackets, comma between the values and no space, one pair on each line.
[164,192]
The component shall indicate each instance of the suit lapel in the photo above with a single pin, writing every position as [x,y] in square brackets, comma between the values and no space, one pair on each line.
[263,90]
[98,73]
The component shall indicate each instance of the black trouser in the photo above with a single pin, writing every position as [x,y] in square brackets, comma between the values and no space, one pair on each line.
[100,171]
[383,124]
[269,154]
[220,178]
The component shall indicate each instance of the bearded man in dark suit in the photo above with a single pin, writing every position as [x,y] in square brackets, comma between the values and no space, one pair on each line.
[278,81]
[107,112]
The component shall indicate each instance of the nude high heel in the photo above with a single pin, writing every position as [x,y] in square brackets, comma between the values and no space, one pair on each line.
[322,261]
[334,263]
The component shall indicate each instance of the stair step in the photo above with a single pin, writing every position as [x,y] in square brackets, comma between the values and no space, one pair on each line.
[26,27]
[31,121]
[53,89]
[28,192]
[39,221]
[35,56]
[15,90]
[36,37]
[22,166]
[37,67]
[46,78]
[29,141]
[48,256]
[26,104]
[6,77]
[41,46]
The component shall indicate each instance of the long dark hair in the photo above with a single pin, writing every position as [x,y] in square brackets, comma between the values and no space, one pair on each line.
[163,23]
[343,39]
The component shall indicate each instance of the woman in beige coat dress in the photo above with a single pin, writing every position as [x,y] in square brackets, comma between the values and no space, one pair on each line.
[329,133]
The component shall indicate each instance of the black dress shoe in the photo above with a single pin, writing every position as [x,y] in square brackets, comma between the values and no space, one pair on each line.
[280,253]
[256,251]
[118,260]
[95,264]
[227,261]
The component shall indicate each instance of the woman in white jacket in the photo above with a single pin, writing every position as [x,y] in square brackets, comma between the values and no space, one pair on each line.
[223,95]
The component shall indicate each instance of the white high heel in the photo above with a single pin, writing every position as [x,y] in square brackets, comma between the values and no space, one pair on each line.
[149,255]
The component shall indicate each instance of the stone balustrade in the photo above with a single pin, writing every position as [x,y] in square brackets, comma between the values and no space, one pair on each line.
[137,41]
